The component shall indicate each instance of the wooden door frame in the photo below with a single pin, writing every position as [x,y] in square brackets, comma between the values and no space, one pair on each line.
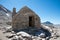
[31,21]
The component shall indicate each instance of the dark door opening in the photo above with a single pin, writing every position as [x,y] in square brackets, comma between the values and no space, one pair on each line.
[31,21]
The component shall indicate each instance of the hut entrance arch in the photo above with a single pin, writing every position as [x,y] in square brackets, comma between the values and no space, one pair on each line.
[31,21]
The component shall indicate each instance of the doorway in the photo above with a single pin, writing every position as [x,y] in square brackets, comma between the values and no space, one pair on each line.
[31,21]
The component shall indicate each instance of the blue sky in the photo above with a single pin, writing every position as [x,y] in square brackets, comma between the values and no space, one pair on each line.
[48,10]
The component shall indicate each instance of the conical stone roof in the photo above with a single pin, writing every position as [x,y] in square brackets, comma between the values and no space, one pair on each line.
[24,10]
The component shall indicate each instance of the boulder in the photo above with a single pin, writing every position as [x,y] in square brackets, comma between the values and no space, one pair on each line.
[47,28]
[24,34]
[20,38]
[42,35]
[12,32]
[15,38]
[8,29]
[11,35]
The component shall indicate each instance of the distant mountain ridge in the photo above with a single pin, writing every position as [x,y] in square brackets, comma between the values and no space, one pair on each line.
[5,14]
[2,8]
[47,23]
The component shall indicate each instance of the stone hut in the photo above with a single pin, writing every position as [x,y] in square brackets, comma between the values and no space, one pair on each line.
[25,18]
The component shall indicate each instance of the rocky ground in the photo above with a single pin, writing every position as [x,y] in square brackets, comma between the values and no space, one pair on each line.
[7,34]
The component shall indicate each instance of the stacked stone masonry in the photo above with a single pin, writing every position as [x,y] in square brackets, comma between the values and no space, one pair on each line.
[25,18]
